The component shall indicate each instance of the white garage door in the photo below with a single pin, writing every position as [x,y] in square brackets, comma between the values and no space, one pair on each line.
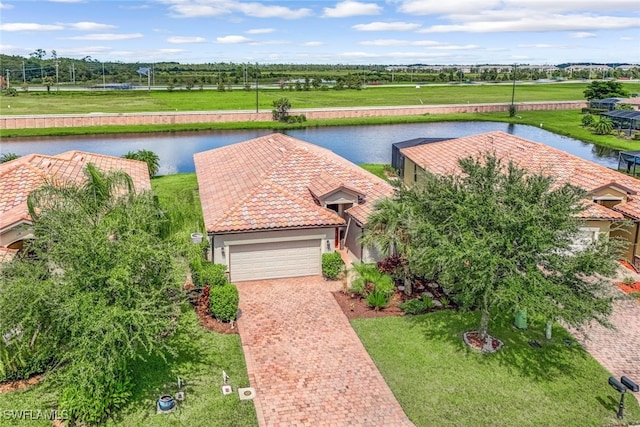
[273,260]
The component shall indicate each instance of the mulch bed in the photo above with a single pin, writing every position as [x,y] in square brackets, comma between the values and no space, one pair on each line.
[353,306]
[9,386]
[200,302]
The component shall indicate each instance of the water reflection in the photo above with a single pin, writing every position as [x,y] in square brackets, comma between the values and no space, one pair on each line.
[359,144]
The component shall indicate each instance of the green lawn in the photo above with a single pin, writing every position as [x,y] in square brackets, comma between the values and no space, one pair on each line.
[196,100]
[440,382]
[375,168]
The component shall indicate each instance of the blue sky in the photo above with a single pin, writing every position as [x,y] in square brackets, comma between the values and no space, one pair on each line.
[347,32]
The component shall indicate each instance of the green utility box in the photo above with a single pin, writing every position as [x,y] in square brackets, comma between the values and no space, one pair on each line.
[521,320]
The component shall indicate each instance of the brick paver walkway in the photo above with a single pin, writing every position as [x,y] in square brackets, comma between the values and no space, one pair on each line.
[305,361]
[617,350]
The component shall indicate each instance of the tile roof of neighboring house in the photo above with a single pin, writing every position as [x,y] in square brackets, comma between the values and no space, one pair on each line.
[21,176]
[442,158]
[265,183]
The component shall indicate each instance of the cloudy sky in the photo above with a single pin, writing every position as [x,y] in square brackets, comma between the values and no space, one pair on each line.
[324,31]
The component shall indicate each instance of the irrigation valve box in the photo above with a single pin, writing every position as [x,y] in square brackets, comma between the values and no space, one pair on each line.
[226,389]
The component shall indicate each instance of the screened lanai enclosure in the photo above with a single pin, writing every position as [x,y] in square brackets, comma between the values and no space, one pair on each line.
[625,120]
[629,161]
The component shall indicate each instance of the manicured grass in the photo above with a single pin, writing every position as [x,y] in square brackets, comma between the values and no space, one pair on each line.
[439,381]
[196,100]
[375,168]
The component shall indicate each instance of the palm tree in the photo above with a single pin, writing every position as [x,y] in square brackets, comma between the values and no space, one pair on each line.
[101,191]
[388,231]
[149,157]
[7,157]
[603,126]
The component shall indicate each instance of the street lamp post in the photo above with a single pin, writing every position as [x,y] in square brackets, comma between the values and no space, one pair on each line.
[256,87]
[512,108]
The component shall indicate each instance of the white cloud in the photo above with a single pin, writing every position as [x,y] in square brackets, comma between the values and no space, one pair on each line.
[170,50]
[261,31]
[395,42]
[233,39]
[188,10]
[313,43]
[351,8]
[542,46]
[29,26]
[6,6]
[67,1]
[185,39]
[626,38]
[205,8]
[106,37]
[358,55]
[83,51]
[258,10]
[423,7]
[582,35]
[135,7]
[539,23]
[386,26]
[89,26]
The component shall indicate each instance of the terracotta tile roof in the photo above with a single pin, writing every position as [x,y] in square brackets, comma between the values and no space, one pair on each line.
[442,158]
[325,184]
[21,176]
[265,183]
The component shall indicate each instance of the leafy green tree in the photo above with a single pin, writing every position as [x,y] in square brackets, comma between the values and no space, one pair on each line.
[603,126]
[48,82]
[281,109]
[7,157]
[100,284]
[149,157]
[604,89]
[502,240]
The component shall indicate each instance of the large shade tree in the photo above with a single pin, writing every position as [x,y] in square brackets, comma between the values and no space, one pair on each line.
[604,89]
[96,291]
[503,240]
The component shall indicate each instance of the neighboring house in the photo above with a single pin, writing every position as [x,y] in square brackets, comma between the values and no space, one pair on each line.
[21,176]
[612,196]
[272,205]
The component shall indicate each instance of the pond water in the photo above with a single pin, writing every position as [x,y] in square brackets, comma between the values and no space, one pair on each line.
[359,144]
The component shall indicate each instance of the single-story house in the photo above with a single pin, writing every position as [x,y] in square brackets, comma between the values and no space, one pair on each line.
[272,205]
[397,159]
[613,196]
[21,176]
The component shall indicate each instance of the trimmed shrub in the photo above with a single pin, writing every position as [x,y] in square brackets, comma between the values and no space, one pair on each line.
[213,275]
[588,120]
[417,306]
[223,302]
[332,265]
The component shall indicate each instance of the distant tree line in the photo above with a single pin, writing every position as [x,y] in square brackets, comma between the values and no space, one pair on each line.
[47,68]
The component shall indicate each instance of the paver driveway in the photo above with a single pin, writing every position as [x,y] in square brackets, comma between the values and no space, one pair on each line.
[617,350]
[306,363]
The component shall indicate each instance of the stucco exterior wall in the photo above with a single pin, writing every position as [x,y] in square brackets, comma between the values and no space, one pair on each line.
[116,119]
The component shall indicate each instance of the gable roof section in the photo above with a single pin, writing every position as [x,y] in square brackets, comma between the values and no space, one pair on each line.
[265,183]
[21,176]
[442,158]
[325,184]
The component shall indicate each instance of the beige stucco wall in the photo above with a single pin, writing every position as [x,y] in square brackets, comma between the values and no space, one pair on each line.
[114,119]
[15,234]
[352,243]
[220,241]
